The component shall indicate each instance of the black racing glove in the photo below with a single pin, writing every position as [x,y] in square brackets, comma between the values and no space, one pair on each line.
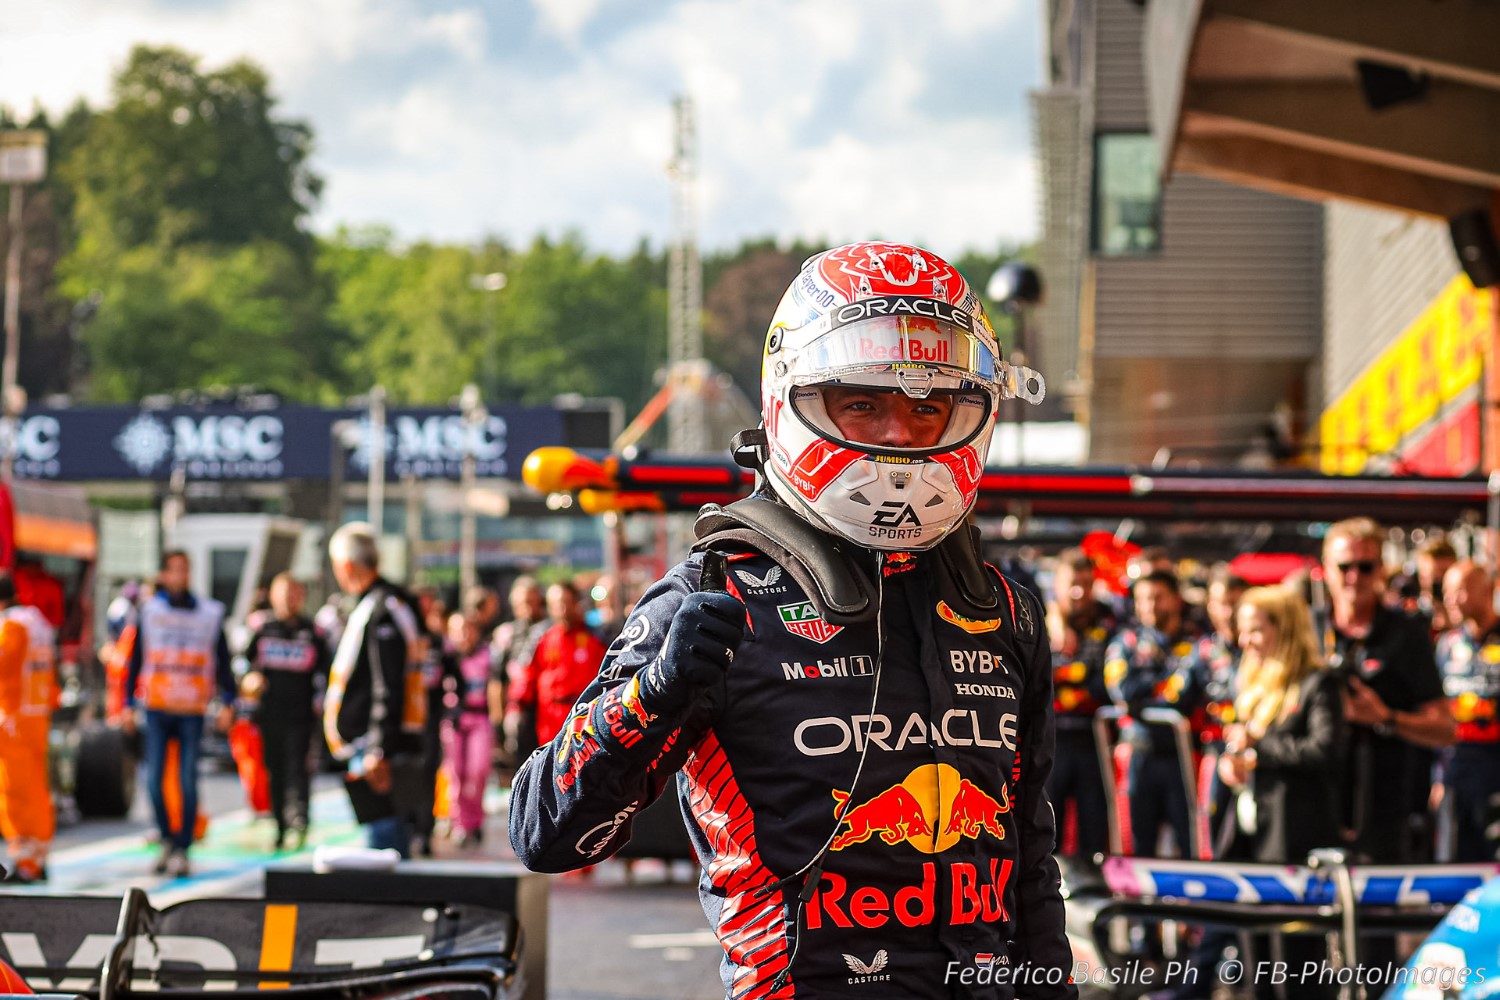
[705,632]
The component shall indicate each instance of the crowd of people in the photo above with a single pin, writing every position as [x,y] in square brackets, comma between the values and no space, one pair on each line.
[864,722]
[1368,723]
[1392,686]
[1392,698]
[423,706]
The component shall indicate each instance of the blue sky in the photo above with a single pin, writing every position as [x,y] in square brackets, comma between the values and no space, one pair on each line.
[453,119]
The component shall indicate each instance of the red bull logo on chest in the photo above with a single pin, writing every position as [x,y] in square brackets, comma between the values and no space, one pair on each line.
[932,809]
[975,894]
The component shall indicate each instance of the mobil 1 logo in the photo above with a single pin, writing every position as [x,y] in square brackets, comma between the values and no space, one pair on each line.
[837,666]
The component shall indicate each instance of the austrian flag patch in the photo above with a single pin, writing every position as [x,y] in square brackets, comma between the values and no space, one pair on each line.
[803,619]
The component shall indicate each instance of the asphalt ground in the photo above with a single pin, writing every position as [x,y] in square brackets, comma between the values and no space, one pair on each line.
[620,932]
[616,933]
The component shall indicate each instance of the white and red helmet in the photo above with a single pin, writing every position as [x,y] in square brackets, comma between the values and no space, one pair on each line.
[894,317]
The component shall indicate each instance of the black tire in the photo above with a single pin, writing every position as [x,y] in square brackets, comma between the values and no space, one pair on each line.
[106,768]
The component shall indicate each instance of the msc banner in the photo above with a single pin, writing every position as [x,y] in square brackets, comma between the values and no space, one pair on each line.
[118,442]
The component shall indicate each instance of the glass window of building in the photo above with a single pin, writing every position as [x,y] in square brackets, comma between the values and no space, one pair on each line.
[1127,194]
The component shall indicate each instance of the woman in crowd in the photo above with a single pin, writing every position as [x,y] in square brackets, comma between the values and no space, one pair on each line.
[468,732]
[1284,754]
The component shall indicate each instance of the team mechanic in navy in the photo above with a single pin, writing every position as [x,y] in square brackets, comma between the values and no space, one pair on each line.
[856,708]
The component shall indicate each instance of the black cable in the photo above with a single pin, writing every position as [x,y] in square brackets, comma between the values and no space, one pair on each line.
[813,870]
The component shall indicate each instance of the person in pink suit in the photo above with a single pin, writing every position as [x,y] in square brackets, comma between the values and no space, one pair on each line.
[468,732]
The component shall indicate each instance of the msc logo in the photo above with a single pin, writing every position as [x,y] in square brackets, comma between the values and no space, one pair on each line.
[214,446]
[895,514]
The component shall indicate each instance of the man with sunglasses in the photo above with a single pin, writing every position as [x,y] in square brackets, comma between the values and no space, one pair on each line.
[1394,698]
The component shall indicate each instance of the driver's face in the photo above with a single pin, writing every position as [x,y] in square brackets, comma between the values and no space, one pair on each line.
[887,417]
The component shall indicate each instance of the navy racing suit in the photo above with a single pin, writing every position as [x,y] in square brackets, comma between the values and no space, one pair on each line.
[939,880]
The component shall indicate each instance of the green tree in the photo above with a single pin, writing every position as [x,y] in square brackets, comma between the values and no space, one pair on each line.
[738,306]
[201,317]
[417,322]
[571,321]
[567,320]
[185,202]
[188,157]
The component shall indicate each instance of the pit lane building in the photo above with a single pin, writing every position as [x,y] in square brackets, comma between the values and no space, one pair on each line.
[1269,229]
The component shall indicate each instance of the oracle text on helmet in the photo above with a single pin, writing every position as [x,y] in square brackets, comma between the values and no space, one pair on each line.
[901,305]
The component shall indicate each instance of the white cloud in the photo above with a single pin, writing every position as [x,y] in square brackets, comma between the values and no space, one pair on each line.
[566,18]
[58,51]
[837,119]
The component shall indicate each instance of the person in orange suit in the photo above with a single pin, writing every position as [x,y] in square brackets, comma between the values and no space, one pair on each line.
[28,688]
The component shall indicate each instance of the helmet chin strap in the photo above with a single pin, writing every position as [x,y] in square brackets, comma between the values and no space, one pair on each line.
[749,448]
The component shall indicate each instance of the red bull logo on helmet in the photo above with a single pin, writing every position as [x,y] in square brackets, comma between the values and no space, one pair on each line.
[865,269]
[932,809]
[911,349]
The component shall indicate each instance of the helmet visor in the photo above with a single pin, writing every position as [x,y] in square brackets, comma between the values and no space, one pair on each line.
[892,343]
[873,413]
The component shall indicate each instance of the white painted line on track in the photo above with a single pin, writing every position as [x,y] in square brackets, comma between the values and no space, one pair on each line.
[685,939]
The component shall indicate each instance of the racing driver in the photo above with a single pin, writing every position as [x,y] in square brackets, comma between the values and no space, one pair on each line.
[856,708]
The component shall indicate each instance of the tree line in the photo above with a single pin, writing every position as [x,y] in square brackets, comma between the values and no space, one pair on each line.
[169,250]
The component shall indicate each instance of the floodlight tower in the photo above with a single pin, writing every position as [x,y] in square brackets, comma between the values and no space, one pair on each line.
[685,292]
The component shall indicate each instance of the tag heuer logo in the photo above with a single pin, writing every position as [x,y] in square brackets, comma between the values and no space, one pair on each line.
[804,620]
